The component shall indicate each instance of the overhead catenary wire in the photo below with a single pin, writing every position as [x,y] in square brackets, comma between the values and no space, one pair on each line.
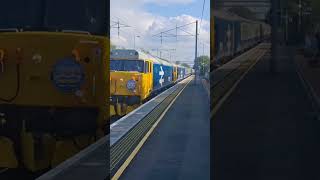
[116,22]
[168,34]
[204,2]
[178,27]
[161,34]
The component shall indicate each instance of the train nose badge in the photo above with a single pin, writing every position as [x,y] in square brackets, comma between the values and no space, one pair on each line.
[37,58]
[68,75]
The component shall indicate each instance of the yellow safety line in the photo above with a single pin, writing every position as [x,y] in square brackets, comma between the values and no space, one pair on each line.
[144,139]
[225,97]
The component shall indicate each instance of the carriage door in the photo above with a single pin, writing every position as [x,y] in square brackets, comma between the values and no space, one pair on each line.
[148,77]
[175,73]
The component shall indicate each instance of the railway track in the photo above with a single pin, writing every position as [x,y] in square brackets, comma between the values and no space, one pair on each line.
[230,74]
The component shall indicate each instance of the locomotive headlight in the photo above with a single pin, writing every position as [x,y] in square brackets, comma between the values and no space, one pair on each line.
[131,84]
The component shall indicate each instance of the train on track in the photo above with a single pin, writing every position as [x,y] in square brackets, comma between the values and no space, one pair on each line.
[233,35]
[54,76]
[135,76]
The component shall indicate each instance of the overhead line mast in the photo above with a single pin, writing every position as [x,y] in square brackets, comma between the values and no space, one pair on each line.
[196,54]
[166,33]
[118,25]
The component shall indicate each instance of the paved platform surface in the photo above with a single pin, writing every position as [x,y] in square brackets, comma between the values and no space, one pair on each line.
[266,129]
[179,148]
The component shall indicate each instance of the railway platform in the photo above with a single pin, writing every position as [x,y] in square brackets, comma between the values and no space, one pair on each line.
[177,146]
[265,126]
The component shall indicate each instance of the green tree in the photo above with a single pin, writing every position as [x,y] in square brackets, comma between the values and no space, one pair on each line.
[203,63]
[185,65]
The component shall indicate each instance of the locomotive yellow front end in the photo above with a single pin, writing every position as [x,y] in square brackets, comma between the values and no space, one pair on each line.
[51,96]
[54,83]
[130,81]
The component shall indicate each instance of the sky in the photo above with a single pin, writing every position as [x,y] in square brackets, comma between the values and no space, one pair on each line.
[147,18]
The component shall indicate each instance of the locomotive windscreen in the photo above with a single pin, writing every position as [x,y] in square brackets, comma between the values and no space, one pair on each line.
[127,65]
[77,15]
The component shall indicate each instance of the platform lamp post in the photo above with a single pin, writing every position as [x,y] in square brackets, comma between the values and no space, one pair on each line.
[196,55]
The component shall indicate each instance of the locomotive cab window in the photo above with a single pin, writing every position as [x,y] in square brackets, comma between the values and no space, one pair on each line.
[127,65]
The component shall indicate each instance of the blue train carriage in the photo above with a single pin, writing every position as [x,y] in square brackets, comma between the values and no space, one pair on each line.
[180,72]
[250,33]
[162,74]
[254,33]
[189,71]
[266,31]
[226,37]
[234,35]
[184,72]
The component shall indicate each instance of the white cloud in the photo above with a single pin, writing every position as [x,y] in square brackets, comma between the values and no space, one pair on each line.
[168,2]
[119,40]
[145,24]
